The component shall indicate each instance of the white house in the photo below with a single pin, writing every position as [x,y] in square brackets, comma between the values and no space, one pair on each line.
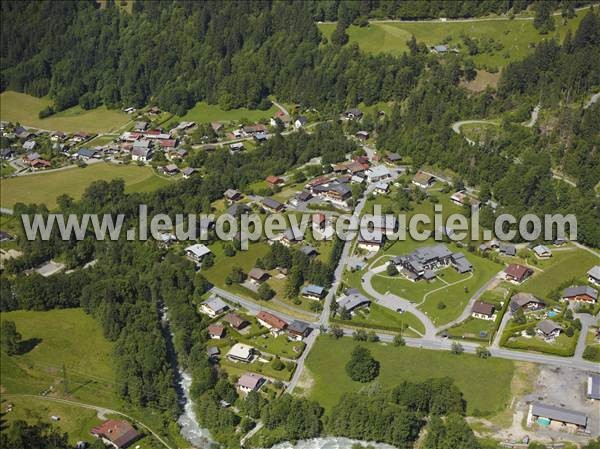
[250,382]
[213,306]
[197,252]
[594,275]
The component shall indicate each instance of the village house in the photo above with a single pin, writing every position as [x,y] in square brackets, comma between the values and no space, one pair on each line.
[439,49]
[300,122]
[39,164]
[274,180]
[542,252]
[213,306]
[312,291]
[141,154]
[232,195]
[507,249]
[353,113]
[275,324]
[462,199]
[292,236]
[272,205]
[309,251]
[7,153]
[238,146]
[392,158]
[319,221]
[460,263]
[362,135]
[260,137]
[216,331]
[557,418]
[298,330]
[88,153]
[526,302]
[378,173]
[257,275]
[235,321]
[370,241]
[353,300]
[381,188]
[117,433]
[549,330]
[594,275]
[168,145]
[483,310]
[57,136]
[581,293]
[516,273]
[29,145]
[213,353]
[166,239]
[423,180]
[197,252]
[250,382]
[241,353]
[333,192]
[187,172]
[237,209]
[170,170]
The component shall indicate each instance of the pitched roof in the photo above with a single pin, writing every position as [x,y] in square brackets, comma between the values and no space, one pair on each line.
[216,330]
[119,432]
[580,290]
[271,203]
[312,289]
[593,390]
[215,304]
[594,272]
[516,270]
[234,319]
[198,250]
[257,273]
[240,351]
[548,326]
[250,380]
[423,178]
[352,299]
[520,299]
[298,327]
[483,308]
[271,320]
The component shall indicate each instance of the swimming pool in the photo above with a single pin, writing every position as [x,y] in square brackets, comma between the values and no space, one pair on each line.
[552,314]
[543,421]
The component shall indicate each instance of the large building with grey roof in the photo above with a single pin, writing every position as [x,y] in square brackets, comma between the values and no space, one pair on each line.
[423,262]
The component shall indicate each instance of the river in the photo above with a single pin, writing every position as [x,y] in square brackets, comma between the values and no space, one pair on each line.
[330,443]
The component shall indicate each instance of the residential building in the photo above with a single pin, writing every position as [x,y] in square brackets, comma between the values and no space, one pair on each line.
[213,306]
[117,433]
[460,263]
[548,329]
[319,221]
[272,205]
[197,252]
[300,122]
[423,262]
[298,330]
[232,195]
[303,196]
[525,301]
[216,331]
[237,209]
[507,249]
[141,154]
[312,291]
[260,137]
[250,382]
[556,418]
[370,241]
[170,169]
[353,300]
[292,236]
[257,275]
[213,353]
[517,273]
[188,171]
[594,275]
[581,293]
[378,173]
[381,188]
[140,126]
[461,198]
[241,353]
[362,135]
[29,145]
[423,180]
[392,158]
[275,324]
[274,180]
[483,310]
[439,49]
[353,113]
[235,321]
[309,250]
[88,153]
[542,252]
[238,146]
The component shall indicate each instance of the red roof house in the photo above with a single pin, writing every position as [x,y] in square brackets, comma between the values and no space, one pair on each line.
[118,433]
[274,180]
[270,321]
[517,273]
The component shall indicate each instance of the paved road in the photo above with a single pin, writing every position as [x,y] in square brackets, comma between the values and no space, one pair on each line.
[395,302]
[281,108]
[98,409]
[592,100]
[586,322]
[535,113]
[457,125]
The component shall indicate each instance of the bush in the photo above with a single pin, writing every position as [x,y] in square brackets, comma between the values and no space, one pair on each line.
[483,352]
[277,364]
[359,335]
[399,340]
[362,367]
[46,112]
[592,353]
[391,270]
[441,305]
[457,348]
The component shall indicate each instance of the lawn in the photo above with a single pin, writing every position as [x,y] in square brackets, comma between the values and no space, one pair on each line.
[23,108]
[450,288]
[484,383]
[203,112]
[6,169]
[514,38]
[66,337]
[562,266]
[46,187]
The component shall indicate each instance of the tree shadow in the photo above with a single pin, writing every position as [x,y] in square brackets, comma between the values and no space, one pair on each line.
[27,345]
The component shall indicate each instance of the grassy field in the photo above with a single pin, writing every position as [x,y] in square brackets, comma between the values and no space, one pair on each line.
[204,112]
[562,266]
[23,108]
[505,40]
[46,187]
[484,383]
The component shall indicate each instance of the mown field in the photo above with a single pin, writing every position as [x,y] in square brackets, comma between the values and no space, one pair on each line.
[484,383]
[204,112]
[515,37]
[46,187]
[23,108]
[51,340]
